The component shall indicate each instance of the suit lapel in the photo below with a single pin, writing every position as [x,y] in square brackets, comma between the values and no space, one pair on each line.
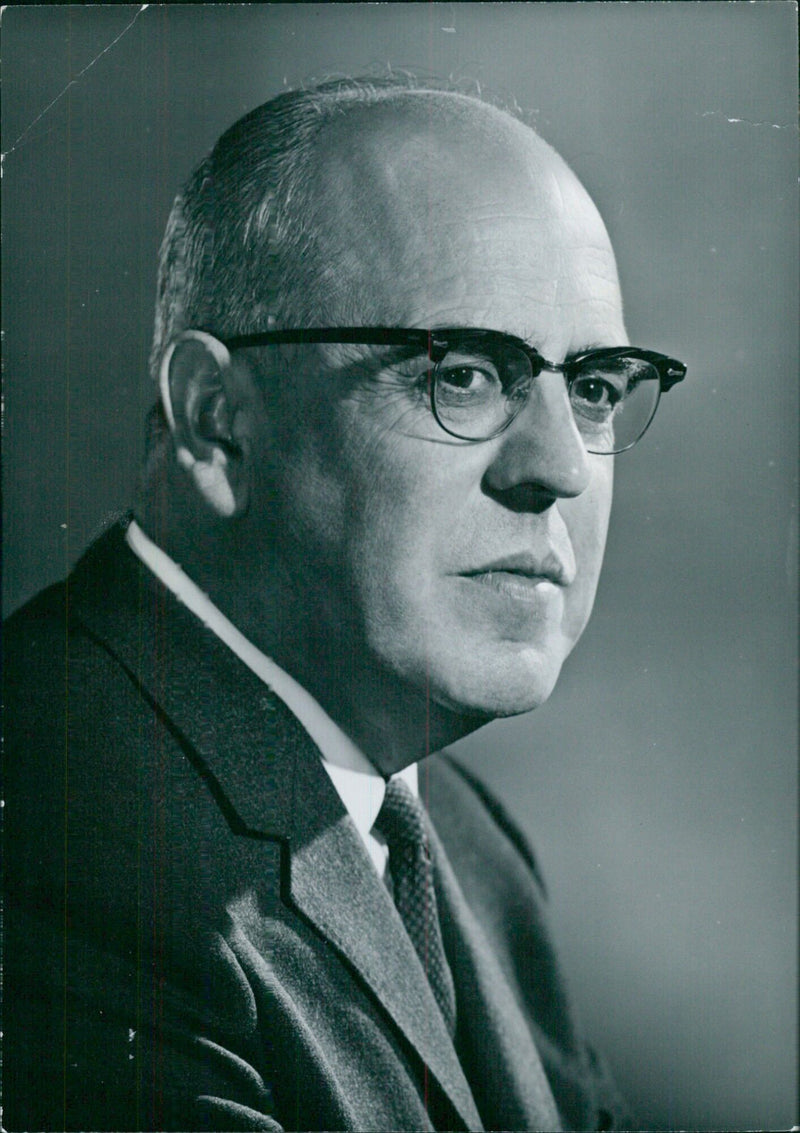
[238,734]
[266,774]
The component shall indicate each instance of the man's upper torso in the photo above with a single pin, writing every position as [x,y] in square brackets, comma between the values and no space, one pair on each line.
[196,936]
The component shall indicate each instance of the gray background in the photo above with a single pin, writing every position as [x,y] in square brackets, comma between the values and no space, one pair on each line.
[659,783]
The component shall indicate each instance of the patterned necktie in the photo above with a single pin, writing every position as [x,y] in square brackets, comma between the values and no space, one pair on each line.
[402,823]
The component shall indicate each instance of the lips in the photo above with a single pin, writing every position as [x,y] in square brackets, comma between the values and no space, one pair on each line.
[548,567]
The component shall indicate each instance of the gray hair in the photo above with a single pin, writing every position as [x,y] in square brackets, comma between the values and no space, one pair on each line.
[240,240]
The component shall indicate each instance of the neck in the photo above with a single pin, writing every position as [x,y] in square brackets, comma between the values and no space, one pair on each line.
[394,724]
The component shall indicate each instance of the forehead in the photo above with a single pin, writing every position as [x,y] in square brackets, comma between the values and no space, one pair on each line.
[435,214]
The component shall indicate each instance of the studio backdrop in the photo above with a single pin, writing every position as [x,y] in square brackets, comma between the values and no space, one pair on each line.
[659,783]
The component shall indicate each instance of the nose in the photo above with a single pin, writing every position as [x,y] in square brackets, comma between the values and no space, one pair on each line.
[542,451]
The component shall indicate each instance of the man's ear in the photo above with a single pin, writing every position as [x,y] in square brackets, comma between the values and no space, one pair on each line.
[201,394]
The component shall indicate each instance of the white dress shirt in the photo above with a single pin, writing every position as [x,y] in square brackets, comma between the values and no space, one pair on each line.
[358,784]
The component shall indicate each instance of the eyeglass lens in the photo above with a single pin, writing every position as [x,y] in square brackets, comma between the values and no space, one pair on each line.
[478,390]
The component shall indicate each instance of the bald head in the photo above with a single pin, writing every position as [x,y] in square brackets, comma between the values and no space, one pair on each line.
[433,194]
[326,206]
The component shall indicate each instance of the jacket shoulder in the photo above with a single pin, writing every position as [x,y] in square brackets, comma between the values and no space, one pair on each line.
[40,643]
[453,772]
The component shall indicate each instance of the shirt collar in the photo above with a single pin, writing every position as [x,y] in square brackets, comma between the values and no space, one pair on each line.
[363,794]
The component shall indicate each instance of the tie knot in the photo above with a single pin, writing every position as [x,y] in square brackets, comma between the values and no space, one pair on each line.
[401,818]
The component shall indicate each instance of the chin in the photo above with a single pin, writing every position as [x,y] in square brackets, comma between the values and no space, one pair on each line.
[507,685]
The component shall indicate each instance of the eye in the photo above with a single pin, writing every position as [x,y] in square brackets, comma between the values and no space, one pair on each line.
[596,391]
[471,380]
[596,396]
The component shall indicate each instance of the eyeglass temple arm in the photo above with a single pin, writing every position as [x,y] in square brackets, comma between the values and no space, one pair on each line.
[366,336]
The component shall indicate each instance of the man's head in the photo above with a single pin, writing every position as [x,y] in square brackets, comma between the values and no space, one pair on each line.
[411,580]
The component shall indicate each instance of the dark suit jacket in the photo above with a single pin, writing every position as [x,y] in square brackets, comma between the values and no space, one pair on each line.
[195,937]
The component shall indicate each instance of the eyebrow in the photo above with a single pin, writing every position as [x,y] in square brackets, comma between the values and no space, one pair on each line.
[588,349]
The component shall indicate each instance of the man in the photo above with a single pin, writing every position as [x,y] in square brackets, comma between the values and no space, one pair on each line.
[390,353]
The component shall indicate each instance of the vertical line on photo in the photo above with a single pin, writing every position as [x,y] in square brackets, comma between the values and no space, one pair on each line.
[67,345]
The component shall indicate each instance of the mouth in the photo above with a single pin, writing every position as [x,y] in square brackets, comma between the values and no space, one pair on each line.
[525,571]
[518,588]
[537,581]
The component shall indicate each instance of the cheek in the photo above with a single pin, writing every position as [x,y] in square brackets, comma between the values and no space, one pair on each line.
[298,516]
[309,506]
[586,518]
[353,506]
[408,506]
[395,507]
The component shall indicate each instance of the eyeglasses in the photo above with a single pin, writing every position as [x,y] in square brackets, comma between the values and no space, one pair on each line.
[480,380]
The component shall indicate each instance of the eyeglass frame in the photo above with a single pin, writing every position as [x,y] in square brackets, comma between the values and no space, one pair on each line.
[437,343]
